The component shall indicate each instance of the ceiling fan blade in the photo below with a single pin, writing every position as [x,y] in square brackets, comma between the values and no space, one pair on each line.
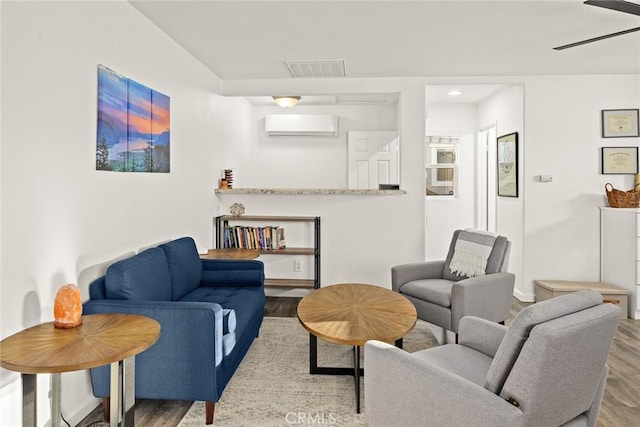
[619,5]
[595,39]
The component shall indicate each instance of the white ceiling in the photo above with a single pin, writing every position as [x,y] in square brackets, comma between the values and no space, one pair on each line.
[250,39]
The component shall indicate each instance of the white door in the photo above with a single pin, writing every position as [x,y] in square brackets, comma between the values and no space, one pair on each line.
[373,158]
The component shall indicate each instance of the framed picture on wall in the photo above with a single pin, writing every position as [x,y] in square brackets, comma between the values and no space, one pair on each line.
[508,165]
[619,160]
[619,123]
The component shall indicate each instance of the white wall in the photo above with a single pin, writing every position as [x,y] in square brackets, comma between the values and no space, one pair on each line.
[563,127]
[505,109]
[446,214]
[62,219]
[309,161]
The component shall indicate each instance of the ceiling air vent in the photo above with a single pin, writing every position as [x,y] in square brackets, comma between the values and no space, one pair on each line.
[312,68]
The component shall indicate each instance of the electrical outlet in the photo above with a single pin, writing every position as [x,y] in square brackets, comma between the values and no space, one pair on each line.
[297,265]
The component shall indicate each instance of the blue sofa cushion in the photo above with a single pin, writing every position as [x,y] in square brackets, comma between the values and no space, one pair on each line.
[143,277]
[184,264]
[243,301]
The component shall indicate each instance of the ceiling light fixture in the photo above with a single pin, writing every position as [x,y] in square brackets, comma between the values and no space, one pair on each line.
[455,92]
[286,101]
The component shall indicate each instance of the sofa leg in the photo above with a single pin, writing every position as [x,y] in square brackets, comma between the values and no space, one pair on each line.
[106,409]
[209,408]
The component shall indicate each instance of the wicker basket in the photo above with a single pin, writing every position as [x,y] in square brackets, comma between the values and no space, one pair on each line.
[623,199]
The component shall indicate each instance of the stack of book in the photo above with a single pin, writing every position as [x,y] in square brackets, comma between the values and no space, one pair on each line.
[270,238]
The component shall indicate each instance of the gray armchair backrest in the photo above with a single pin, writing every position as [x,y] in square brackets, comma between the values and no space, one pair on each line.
[558,373]
[521,326]
[498,258]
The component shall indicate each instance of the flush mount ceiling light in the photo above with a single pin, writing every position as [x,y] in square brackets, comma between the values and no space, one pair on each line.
[455,92]
[286,101]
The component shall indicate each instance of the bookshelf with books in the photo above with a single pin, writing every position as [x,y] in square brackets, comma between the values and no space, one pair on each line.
[268,234]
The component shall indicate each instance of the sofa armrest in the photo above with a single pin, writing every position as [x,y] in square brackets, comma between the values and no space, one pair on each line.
[482,335]
[401,389]
[178,321]
[219,272]
[488,297]
[401,274]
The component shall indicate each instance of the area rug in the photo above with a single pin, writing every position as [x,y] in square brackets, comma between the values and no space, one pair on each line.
[273,387]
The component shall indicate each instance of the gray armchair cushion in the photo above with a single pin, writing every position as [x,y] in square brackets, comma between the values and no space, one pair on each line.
[438,291]
[459,360]
[521,326]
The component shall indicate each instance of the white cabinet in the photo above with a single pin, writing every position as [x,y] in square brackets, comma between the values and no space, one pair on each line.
[620,252]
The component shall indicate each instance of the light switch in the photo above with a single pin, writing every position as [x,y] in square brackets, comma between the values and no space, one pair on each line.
[546,178]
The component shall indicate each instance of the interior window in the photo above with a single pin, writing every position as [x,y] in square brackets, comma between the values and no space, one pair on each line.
[441,165]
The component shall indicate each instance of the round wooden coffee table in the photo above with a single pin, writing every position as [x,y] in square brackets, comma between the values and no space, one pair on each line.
[352,314]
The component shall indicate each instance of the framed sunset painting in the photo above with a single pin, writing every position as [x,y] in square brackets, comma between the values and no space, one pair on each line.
[133,126]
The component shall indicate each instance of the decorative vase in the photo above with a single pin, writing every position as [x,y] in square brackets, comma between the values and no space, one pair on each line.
[237,209]
[228,176]
[67,307]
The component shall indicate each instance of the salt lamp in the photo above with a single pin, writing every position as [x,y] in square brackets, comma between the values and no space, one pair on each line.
[67,308]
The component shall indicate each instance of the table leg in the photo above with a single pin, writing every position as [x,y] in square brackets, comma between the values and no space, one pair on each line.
[122,393]
[356,371]
[116,398]
[313,354]
[29,406]
[324,370]
[356,375]
[56,392]
[129,391]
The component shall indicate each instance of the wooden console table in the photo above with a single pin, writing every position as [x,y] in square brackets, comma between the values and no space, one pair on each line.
[101,339]
[546,289]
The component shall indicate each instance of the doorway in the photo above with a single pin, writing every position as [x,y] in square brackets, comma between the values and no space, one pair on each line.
[486,188]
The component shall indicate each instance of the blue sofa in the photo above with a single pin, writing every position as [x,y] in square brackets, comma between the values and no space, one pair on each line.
[209,311]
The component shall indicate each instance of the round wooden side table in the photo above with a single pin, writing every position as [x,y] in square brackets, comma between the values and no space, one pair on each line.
[101,339]
[231,253]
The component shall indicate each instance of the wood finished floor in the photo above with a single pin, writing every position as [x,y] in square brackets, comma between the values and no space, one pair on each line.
[620,405]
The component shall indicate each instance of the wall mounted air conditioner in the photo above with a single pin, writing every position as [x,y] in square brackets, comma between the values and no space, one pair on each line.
[301,125]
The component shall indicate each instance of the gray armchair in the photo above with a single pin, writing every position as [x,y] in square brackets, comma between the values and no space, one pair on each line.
[547,369]
[442,297]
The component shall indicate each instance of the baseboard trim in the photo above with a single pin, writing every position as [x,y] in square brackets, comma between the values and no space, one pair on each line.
[524,297]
